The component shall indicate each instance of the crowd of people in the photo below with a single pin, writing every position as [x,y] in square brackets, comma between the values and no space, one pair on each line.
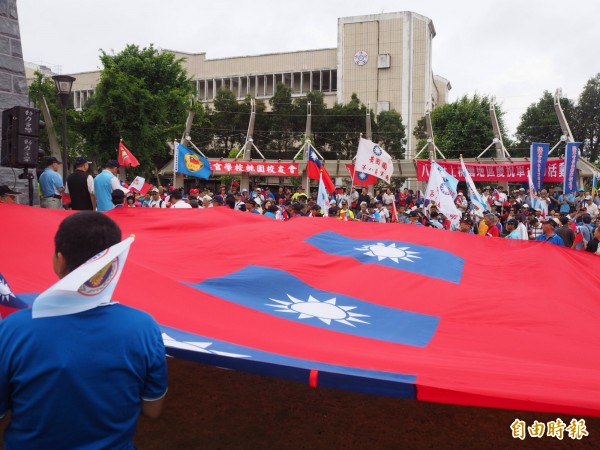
[569,220]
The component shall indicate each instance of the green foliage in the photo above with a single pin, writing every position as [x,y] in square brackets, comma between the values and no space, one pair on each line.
[463,126]
[539,124]
[587,127]
[143,97]
[284,128]
[390,133]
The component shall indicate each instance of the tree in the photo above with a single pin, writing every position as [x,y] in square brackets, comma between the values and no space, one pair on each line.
[461,127]
[143,97]
[540,124]
[390,133]
[283,133]
[227,121]
[346,122]
[588,118]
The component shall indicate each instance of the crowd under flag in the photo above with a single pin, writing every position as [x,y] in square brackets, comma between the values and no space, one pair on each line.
[571,158]
[478,202]
[139,185]
[90,285]
[373,160]
[360,178]
[538,160]
[125,157]
[323,197]
[315,170]
[442,190]
[191,163]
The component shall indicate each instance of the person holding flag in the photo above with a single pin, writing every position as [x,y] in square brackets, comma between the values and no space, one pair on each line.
[76,369]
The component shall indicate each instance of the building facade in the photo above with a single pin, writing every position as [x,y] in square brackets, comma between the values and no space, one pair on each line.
[384,58]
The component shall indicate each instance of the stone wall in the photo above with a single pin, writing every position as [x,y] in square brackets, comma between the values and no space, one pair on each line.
[13,85]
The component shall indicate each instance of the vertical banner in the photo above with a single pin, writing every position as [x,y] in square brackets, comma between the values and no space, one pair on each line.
[571,157]
[539,159]
[479,205]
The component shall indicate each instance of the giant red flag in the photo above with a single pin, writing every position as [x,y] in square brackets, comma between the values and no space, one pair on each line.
[444,316]
[125,157]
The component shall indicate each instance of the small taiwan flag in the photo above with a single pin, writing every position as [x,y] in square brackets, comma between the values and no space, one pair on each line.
[125,157]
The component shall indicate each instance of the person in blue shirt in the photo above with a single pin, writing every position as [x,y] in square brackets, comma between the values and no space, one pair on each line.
[548,234]
[80,380]
[51,185]
[512,230]
[566,202]
[104,183]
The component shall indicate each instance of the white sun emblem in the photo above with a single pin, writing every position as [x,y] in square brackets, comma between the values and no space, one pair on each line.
[5,292]
[325,311]
[382,252]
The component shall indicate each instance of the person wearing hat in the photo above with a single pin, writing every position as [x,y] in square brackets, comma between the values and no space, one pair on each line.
[104,183]
[155,200]
[461,202]
[466,226]
[239,201]
[51,185]
[548,233]
[512,229]
[80,186]
[414,218]
[7,195]
[590,207]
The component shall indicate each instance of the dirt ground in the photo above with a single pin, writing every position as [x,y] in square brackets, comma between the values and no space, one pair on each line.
[211,408]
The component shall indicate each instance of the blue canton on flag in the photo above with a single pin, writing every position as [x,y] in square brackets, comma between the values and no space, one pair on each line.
[427,261]
[281,295]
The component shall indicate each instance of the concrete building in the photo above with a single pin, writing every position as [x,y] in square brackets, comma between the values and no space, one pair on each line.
[384,58]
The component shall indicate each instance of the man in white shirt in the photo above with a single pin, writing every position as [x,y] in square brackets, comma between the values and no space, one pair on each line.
[155,200]
[176,200]
[388,197]
[590,207]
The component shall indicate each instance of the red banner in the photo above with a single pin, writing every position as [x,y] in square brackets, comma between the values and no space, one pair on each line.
[555,171]
[256,168]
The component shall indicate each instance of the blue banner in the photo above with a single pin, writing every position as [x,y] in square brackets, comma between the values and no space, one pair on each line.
[571,157]
[190,163]
[539,159]
[405,256]
[284,297]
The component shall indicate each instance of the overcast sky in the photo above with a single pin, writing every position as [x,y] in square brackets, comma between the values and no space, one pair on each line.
[513,49]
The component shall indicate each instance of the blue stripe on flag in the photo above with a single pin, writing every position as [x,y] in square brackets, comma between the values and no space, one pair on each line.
[194,347]
[279,294]
[427,261]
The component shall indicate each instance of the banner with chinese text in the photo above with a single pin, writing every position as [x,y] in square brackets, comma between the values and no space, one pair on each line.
[538,154]
[256,168]
[570,175]
[555,170]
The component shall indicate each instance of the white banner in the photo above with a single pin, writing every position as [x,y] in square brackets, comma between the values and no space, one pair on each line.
[373,160]
[439,192]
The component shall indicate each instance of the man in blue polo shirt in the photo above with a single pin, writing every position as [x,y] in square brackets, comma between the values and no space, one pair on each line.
[104,183]
[548,233]
[51,185]
[80,379]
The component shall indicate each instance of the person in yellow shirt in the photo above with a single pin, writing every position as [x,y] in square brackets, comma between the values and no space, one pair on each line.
[345,213]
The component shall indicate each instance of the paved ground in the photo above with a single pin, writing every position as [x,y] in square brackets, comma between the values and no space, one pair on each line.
[210,408]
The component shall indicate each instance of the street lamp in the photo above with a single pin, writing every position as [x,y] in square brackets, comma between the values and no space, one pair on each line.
[64,83]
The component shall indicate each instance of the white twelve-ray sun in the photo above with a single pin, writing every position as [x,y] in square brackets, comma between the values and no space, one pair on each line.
[382,252]
[5,292]
[325,311]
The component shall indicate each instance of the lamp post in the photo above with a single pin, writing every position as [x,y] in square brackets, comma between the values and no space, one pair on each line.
[64,83]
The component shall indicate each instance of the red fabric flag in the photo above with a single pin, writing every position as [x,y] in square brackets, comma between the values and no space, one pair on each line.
[361,178]
[315,167]
[125,157]
[394,217]
[289,310]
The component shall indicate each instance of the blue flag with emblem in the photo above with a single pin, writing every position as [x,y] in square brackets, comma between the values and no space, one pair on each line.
[281,295]
[427,261]
[190,163]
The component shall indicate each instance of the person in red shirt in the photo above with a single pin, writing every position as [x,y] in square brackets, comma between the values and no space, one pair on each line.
[490,221]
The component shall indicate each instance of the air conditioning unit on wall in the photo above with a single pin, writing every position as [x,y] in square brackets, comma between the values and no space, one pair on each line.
[383,61]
